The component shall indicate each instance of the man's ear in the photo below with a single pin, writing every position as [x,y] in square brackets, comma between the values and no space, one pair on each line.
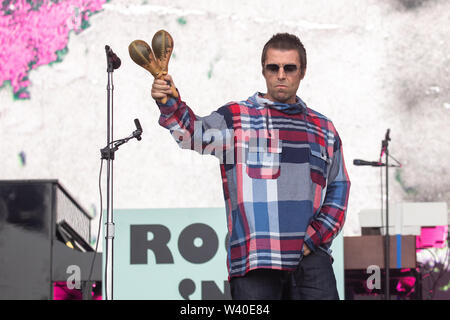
[303,75]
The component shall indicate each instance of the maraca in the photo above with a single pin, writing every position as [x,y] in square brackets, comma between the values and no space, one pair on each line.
[142,54]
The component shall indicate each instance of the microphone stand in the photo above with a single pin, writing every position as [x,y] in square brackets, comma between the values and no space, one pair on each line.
[107,153]
[109,156]
[387,245]
[358,162]
[387,251]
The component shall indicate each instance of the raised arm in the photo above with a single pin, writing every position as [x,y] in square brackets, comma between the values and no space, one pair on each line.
[207,135]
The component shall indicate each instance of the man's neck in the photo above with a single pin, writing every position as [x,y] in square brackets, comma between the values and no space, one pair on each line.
[292,100]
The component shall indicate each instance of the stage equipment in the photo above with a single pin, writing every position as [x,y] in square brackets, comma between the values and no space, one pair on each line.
[362,252]
[413,226]
[44,233]
[156,61]
[407,218]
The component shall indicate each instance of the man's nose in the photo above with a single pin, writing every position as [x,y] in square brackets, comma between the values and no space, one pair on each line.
[281,74]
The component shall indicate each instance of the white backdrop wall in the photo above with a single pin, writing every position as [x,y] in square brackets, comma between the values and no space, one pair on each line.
[372,65]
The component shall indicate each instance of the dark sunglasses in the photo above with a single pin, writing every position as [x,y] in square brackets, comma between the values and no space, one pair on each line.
[288,68]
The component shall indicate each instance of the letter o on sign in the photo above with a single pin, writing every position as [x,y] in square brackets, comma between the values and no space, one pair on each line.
[198,254]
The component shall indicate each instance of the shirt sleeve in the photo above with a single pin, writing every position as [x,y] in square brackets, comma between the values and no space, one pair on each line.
[206,135]
[326,225]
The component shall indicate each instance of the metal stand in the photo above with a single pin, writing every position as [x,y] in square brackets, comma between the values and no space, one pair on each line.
[387,253]
[109,182]
[107,153]
[387,244]
[358,162]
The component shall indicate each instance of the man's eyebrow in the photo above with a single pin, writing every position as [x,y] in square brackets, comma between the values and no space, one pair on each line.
[282,63]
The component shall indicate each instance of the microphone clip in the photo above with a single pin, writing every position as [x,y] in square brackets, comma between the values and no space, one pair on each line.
[137,134]
[107,153]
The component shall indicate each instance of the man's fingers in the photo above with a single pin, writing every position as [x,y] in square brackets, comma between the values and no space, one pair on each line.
[158,95]
[164,89]
[160,84]
[161,88]
[306,250]
[169,80]
[161,94]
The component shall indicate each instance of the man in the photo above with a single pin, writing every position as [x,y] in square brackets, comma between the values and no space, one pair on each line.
[284,179]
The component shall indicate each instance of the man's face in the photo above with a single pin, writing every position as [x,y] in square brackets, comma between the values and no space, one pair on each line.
[282,73]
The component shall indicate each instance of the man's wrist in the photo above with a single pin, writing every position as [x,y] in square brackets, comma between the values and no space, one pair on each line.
[170,106]
[311,246]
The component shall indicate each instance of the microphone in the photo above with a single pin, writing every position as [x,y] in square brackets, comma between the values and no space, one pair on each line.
[139,130]
[359,162]
[116,62]
[384,143]
[386,137]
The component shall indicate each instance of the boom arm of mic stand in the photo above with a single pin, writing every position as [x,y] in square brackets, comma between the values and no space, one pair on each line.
[108,152]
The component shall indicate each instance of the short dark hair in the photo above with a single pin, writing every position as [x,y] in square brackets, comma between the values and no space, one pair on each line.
[286,41]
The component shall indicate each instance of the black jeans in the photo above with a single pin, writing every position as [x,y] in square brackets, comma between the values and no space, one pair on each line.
[312,280]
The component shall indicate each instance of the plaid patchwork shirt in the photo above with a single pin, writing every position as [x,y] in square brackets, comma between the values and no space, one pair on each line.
[283,175]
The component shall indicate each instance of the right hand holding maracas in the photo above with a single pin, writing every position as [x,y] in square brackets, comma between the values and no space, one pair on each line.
[161,89]
[155,61]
